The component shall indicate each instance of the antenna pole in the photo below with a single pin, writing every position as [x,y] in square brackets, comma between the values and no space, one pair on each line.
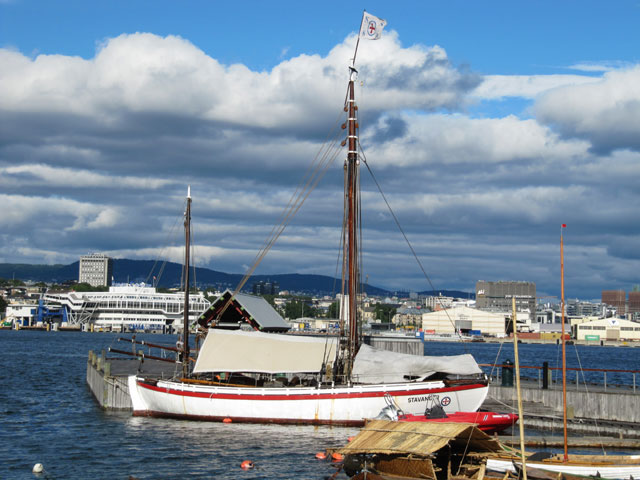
[514,322]
[353,64]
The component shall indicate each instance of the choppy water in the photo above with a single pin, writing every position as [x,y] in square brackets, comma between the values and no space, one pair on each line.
[48,416]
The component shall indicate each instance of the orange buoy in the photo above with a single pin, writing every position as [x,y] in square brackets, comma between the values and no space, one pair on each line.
[246,465]
[337,457]
[321,456]
[349,439]
[226,420]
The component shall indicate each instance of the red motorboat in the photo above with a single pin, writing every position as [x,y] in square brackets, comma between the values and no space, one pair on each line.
[488,422]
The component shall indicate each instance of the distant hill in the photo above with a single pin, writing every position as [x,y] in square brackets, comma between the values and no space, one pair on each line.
[169,275]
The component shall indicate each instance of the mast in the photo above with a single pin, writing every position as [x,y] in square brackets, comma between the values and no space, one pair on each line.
[564,352]
[185,325]
[353,200]
[514,316]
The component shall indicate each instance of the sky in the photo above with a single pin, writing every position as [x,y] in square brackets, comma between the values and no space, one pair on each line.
[487,125]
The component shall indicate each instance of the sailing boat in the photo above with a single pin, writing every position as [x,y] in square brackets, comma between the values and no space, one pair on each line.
[270,378]
[604,466]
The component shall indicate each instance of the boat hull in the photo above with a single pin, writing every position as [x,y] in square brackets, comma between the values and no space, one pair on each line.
[488,422]
[340,405]
[589,467]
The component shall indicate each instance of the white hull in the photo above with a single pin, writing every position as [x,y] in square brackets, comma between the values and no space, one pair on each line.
[607,469]
[343,405]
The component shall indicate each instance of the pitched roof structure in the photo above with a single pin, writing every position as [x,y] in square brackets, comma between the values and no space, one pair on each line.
[243,309]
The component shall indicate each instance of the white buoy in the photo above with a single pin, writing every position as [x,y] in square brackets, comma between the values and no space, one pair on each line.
[38,468]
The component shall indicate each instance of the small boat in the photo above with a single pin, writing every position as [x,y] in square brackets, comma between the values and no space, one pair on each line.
[488,422]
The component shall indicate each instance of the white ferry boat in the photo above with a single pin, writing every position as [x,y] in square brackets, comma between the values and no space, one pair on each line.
[128,308]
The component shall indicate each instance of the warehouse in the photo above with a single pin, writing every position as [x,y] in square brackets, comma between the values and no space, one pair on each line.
[464,320]
[608,329]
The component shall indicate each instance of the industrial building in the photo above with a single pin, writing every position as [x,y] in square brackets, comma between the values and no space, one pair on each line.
[608,329]
[96,270]
[464,320]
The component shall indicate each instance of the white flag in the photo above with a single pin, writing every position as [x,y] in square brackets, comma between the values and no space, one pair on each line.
[371,27]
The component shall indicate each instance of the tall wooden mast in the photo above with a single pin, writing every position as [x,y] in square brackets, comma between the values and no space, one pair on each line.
[185,325]
[353,201]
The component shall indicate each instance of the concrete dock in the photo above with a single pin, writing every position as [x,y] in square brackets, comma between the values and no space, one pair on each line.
[107,377]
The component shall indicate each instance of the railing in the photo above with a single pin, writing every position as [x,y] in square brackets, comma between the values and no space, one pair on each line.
[622,379]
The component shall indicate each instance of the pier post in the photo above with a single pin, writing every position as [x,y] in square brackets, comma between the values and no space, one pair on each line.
[545,375]
[107,369]
[507,373]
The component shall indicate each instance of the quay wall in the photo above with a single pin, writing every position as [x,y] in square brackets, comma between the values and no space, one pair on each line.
[604,406]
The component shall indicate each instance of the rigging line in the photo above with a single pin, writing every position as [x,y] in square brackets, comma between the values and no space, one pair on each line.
[311,171]
[292,211]
[408,243]
[586,388]
[169,239]
[318,172]
[192,251]
[303,194]
[287,220]
[343,273]
[295,202]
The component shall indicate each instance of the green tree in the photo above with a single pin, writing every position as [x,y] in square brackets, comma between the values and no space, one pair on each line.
[3,304]
[85,287]
[299,308]
[334,310]
[384,312]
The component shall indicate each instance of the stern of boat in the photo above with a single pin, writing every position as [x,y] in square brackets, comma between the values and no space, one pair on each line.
[137,402]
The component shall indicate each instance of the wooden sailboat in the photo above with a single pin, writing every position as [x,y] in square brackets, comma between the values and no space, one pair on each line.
[271,378]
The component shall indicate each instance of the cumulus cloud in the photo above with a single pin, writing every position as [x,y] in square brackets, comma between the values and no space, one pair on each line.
[457,139]
[606,113]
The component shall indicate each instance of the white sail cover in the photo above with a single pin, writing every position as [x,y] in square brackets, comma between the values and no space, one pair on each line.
[239,351]
[380,366]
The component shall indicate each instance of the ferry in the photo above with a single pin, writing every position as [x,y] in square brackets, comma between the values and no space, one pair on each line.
[127,308]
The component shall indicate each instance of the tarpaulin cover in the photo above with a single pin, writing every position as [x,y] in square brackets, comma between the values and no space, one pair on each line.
[380,366]
[240,351]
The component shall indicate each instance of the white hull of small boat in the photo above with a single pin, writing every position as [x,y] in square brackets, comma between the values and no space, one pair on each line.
[340,405]
[607,469]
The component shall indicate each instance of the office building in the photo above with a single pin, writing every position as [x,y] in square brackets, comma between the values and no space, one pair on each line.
[497,296]
[616,299]
[96,270]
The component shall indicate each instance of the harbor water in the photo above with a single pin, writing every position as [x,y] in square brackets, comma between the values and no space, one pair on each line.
[49,416]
